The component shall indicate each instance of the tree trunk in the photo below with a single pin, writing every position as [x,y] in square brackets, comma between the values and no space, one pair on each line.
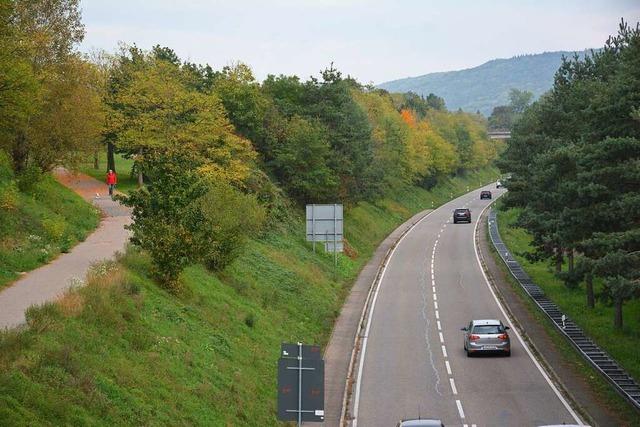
[140,176]
[559,259]
[96,163]
[570,260]
[591,302]
[618,319]
[111,160]
[20,152]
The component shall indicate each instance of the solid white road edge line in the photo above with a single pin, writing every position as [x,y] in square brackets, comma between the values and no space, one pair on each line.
[524,344]
[363,351]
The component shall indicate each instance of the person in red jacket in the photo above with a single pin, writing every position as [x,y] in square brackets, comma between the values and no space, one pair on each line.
[112,180]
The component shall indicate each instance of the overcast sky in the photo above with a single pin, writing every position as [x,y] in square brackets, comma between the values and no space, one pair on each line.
[372,40]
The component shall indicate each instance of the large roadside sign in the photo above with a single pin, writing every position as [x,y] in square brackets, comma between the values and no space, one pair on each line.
[325,223]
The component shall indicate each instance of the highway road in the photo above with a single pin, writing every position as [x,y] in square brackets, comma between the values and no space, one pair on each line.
[413,362]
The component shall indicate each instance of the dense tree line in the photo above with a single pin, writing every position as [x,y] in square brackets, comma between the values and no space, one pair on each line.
[50,106]
[574,160]
[208,144]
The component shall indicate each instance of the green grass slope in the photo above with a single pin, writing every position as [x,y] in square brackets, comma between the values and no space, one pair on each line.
[597,323]
[39,225]
[485,86]
[122,351]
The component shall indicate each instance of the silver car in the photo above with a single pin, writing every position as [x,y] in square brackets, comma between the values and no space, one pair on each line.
[420,423]
[486,335]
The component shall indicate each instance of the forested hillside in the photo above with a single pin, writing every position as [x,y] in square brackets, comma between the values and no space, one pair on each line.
[486,86]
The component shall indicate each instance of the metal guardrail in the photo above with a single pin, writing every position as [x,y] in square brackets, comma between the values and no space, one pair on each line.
[598,358]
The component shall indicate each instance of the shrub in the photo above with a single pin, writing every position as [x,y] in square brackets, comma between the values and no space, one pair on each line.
[54,227]
[29,178]
[230,217]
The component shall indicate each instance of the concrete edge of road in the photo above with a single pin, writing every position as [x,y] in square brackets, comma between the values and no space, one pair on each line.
[552,378]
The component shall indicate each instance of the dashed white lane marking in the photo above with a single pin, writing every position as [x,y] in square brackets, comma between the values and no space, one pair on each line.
[440,334]
[460,411]
[453,386]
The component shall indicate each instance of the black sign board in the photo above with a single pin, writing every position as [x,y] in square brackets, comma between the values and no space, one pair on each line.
[309,370]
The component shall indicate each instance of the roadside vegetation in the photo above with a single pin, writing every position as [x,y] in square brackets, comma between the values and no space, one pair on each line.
[621,344]
[573,160]
[39,219]
[125,351]
[217,167]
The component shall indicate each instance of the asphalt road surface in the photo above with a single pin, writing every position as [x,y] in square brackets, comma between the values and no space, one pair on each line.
[414,362]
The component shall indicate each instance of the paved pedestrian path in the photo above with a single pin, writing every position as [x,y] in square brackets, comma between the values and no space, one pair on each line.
[51,281]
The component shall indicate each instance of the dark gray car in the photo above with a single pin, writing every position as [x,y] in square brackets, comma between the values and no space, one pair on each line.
[487,335]
[461,215]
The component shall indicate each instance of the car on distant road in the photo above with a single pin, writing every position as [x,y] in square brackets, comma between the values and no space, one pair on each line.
[485,194]
[420,423]
[461,215]
[486,335]
[499,184]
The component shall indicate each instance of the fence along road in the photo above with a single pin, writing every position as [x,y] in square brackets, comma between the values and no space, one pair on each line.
[414,363]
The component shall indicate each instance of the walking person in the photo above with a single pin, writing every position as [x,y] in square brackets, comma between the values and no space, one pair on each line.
[112,180]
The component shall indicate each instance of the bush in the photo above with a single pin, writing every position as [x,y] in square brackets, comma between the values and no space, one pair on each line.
[29,178]
[54,227]
[8,189]
[8,196]
[230,218]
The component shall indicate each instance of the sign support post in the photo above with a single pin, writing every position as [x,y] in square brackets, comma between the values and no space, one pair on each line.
[313,227]
[335,240]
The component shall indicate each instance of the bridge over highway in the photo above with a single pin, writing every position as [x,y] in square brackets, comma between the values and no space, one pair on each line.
[500,134]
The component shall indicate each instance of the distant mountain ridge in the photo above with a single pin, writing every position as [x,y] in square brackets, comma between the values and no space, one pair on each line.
[487,85]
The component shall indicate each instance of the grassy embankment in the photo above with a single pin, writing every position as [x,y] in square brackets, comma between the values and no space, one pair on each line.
[43,222]
[123,351]
[597,322]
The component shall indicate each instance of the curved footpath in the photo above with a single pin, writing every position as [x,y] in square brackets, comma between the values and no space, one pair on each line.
[51,281]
